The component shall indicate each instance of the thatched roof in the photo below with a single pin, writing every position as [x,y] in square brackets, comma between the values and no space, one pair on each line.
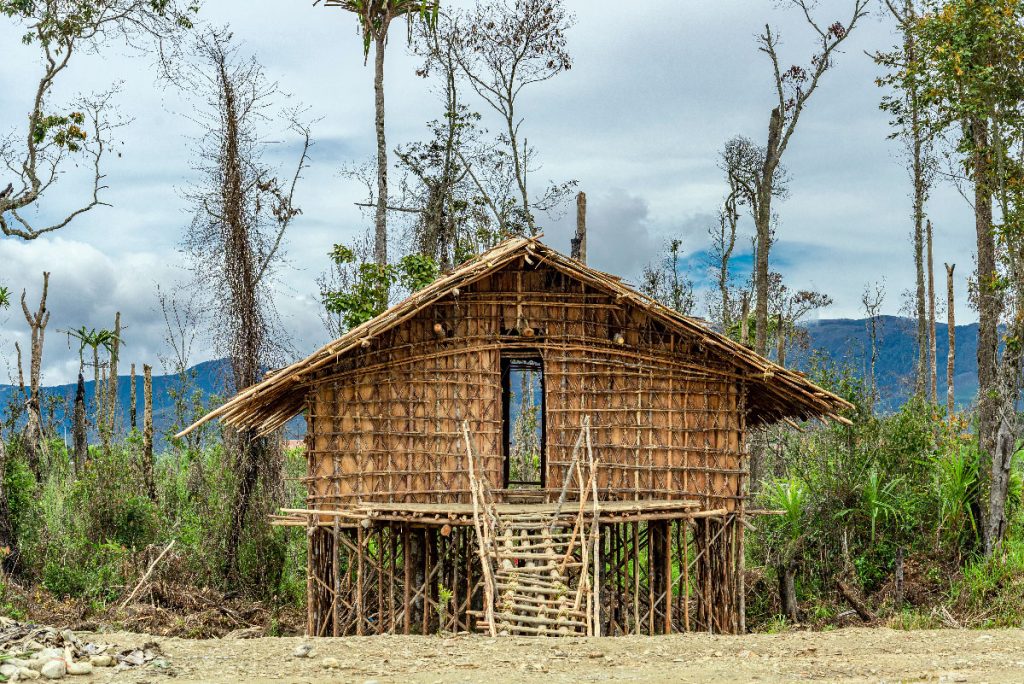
[775,393]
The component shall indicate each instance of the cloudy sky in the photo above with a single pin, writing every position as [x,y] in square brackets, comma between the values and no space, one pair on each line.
[654,92]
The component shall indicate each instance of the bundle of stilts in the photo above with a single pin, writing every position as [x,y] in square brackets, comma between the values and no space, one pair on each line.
[541,570]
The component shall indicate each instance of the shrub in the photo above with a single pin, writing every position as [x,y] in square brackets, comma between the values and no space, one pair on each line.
[86,570]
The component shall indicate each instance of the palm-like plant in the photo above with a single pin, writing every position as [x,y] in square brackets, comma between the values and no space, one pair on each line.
[5,297]
[956,483]
[94,339]
[880,499]
[790,497]
[375,18]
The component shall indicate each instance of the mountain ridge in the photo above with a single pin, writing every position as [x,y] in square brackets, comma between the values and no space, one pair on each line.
[844,340]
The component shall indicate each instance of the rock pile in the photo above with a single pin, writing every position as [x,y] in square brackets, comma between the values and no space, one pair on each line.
[29,651]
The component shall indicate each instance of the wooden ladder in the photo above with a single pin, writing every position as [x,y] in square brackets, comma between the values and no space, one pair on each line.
[536,565]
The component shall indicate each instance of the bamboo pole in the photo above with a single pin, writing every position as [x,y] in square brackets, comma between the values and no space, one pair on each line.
[485,562]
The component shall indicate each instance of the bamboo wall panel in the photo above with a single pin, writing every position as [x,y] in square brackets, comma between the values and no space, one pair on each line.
[666,420]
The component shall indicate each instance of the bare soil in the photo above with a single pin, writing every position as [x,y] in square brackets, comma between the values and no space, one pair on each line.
[845,655]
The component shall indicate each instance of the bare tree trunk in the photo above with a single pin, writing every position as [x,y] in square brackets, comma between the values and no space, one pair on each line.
[115,350]
[234,255]
[79,431]
[97,389]
[918,164]
[519,163]
[37,322]
[1002,462]
[951,356]
[920,299]
[787,591]
[781,334]
[933,374]
[763,226]
[147,432]
[989,307]
[579,243]
[380,237]
[247,324]
[745,321]
[131,400]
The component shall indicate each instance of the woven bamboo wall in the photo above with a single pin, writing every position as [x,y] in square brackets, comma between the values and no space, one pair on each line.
[666,419]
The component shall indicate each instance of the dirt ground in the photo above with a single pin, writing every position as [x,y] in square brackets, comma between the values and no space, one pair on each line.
[847,655]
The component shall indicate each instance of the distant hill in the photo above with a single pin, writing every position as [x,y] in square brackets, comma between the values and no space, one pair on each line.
[843,340]
[846,340]
[210,377]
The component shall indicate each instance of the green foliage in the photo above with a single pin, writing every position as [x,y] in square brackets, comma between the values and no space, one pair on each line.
[371,284]
[956,486]
[64,131]
[87,570]
[20,487]
[374,15]
[62,23]
[5,297]
[666,281]
[87,535]
[880,500]
[970,78]
[444,598]
[110,511]
[790,497]
[994,587]
[856,497]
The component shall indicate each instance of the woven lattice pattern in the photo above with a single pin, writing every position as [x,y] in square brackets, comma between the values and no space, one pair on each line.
[666,416]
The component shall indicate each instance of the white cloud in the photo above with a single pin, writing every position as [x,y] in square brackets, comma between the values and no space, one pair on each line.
[638,121]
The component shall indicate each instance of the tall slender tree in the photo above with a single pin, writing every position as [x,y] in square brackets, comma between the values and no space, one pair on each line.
[242,212]
[908,109]
[742,161]
[375,17]
[933,368]
[8,538]
[37,321]
[503,46]
[951,354]
[973,86]
[793,88]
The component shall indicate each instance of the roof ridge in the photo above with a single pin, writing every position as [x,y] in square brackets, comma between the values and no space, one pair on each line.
[242,409]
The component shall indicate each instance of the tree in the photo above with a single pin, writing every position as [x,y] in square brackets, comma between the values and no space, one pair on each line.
[455,183]
[37,321]
[95,340]
[56,136]
[951,354]
[375,17]
[972,87]
[112,405]
[872,299]
[501,47]
[8,538]
[182,322]
[241,214]
[741,160]
[933,372]
[793,89]
[907,109]
[789,308]
[365,286]
[663,282]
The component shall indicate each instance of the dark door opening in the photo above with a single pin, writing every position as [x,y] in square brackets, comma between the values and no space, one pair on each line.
[522,398]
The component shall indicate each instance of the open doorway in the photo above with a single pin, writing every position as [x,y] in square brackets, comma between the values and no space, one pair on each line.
[522,392]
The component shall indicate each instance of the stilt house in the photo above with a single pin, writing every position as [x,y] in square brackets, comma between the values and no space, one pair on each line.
[527,446]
